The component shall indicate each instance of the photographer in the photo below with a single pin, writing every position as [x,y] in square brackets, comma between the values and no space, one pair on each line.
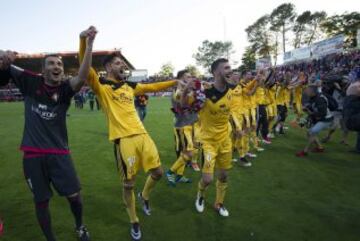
[335,89]
[320,117]
[352,106]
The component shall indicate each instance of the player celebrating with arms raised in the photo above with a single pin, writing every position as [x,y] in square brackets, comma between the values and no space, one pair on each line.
[215,136]
[134,149]
[47,98]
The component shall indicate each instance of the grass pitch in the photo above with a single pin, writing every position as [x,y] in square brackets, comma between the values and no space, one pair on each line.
[280,197]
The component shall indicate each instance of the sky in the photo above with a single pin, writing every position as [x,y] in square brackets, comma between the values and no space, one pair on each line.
[149,33]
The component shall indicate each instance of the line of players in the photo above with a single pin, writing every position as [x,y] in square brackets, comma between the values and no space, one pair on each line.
[259,109]
[226,113]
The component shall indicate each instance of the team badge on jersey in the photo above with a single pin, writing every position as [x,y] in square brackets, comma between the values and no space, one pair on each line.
[55,97]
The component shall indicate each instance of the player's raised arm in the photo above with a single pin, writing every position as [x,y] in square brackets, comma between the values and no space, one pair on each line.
[86,60]
[6,59]
[20,77]
[154,87]
[193,90]
[252,87]
[92,78]
[184,94]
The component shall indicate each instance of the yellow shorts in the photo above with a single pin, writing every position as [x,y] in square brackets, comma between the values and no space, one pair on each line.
[135,152]
[271,110]
[184,139]
[216,155]
[240,119]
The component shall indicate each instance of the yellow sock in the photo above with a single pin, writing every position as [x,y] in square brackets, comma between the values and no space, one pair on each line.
[180,171]
[242,148]
[237,145]
[201,189]
[129,200]
[254,139]
[149,186]
[271,125]
[245,145]
[233,141]
[220,191]
[179,163]
[195,156]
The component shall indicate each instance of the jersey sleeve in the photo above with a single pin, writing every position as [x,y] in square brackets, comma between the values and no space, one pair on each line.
[234,116]
[250,86]
[23,79]
[67,92]
[154,87]
[235,120]
[5,77]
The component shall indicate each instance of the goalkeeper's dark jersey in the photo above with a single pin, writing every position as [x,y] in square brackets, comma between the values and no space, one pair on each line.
[45,111]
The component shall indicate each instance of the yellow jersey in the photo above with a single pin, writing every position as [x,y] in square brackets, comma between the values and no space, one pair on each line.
[117,100]
[215,115]
[261,96]
[298,93]
[238,100]
[246,97]
[249,100]
[272,94]
[287,93]
[282,96]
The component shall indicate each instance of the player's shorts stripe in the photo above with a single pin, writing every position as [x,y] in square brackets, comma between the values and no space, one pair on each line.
[119,158]
[116,154]
[177,142]
[202,158]
[185,141]
[245,121]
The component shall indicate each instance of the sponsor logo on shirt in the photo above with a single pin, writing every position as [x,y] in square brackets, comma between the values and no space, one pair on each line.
[55,97]
[222,110]
[122,97]
[42,111]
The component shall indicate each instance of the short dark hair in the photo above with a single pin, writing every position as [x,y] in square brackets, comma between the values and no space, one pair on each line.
[110,58]
[216,64]
[48,56]
[181,73]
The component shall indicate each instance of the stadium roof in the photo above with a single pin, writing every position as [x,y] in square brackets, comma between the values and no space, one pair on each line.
[33,61]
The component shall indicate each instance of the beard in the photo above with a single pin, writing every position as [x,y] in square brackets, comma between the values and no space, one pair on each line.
[52,79]
[120,75]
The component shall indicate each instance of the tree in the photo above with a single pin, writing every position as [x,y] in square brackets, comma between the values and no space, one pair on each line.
[299,27]
[274,33]
[208,52]
[346,24]
[258,36]
[264,37]
[248,59]
[167,70]
[193,70]
[281,18]
[313,32]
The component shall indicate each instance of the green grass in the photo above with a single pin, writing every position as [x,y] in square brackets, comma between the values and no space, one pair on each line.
[280,198]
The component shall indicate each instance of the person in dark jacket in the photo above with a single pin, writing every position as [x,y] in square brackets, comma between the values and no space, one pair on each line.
[319,116]
[351,110]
